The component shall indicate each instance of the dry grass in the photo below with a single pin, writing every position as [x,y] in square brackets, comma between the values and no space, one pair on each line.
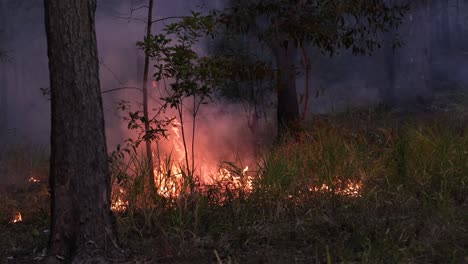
[412,207]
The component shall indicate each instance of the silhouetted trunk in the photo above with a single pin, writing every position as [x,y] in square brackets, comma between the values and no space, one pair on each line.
[413,60]
[149,152]
[388,93]
[3,75]
[445,40]
[82,226]
[288,106]
[458,26]
[307,83]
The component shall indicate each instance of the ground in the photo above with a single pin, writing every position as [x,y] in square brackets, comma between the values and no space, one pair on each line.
[410,207]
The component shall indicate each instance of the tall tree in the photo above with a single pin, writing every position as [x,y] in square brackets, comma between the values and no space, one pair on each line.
[82,226]
[149,152]
[412,72]
[285,25]
[3,75]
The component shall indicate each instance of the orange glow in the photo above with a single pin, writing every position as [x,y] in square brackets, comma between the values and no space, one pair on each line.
[171,179]
[352,189]
[119,205]
[17,218]
[34,180]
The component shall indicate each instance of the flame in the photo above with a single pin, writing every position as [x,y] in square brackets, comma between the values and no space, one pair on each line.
[171,181]
[154,84]
[17,218]
[352,189]
[34,180]
[120,205]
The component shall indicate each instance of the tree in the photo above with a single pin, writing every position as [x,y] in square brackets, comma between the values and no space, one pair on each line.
[3,77]
[412,62]
[149,152]
[284,26]
[82,225]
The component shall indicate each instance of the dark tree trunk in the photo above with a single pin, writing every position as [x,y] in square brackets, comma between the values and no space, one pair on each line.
[444,24]
[413,60]
[388,94]
[3,75]
[149,152]
[82,226]
[288,106]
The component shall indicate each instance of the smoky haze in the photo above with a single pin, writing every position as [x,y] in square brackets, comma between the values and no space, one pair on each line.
[337,84]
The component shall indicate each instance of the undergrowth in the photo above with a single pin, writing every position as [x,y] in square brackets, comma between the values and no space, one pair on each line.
[411,205]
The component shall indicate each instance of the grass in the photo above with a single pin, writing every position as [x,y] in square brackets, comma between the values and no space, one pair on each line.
[412,206]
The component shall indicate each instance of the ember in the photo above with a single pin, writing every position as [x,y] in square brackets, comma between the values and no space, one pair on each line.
[17,218]
[352,189]
[119,205]
[34,180]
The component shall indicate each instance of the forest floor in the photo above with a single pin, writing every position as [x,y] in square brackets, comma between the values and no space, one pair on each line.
[408,204]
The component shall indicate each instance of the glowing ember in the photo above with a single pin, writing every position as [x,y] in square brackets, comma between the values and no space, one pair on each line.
[352,189]
[119,205]
[17,218]
[34,180]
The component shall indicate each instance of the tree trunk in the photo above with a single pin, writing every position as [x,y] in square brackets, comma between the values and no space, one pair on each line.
[307,84]
[388,95]
[82,226]
[413,60]
[288,106]
[445,40]
[3,75]
[149,152]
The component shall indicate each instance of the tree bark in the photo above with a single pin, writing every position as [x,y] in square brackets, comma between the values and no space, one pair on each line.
[288,106]
[413,60]
[307,84]
[149,152]
[3,75]
[445,40]
[82,227]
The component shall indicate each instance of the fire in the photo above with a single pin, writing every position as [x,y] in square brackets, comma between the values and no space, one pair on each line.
[171,179]
[352,189]
[17,218]
[120,205]
[34,180]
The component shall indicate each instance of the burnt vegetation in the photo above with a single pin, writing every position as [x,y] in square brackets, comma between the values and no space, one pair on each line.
[243,132]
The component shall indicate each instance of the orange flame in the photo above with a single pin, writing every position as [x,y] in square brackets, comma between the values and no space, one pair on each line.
[119,205]
[352,189]
[17,218]
[169,178]
[34,180]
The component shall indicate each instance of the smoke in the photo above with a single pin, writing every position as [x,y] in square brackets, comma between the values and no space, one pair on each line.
[338,83]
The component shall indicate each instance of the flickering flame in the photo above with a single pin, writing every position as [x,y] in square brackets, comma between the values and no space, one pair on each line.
[352,189]
[169,179]
[17,218]
[120,205]
[34,180]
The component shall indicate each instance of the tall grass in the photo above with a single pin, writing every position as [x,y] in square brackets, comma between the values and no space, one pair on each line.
[411,206]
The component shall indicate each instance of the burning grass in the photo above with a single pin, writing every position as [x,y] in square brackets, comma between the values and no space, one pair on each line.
[348,190]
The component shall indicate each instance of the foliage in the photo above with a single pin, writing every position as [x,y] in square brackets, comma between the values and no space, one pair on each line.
[328,25]
[5,57]
[192,77]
